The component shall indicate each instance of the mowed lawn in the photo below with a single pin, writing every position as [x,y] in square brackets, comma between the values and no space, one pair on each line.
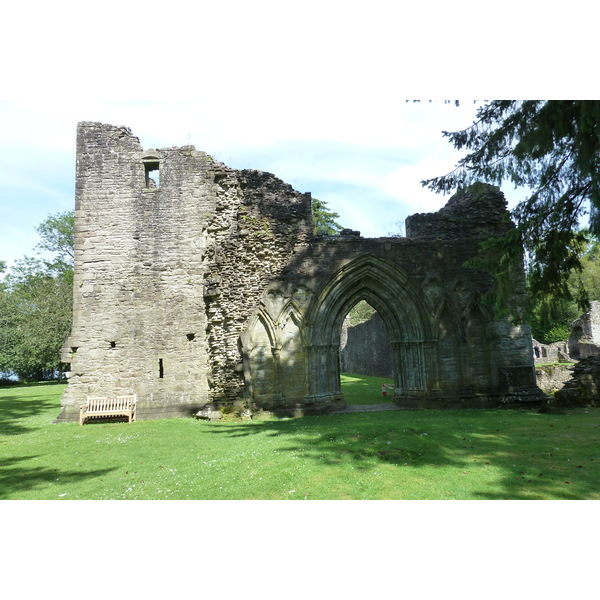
[394,455]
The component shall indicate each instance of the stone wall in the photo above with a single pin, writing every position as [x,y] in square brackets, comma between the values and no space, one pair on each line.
[584,339]
[365,349]
[139,319]
[555,352]
[582,389]
[155,265]
[208,289]
[551,378]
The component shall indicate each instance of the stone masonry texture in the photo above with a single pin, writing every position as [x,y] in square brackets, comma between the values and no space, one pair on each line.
[205,289]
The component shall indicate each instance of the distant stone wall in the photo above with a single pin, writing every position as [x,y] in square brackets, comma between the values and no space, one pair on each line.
[366,350]
[582,389]
[555,352]
[584,340]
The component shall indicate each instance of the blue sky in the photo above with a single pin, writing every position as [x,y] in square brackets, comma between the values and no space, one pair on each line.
[313,92]
[366,165]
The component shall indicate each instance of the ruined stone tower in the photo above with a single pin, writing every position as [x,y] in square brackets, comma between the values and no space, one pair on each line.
[198,284]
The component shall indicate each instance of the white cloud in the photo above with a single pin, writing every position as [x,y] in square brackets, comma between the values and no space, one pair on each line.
[365,160]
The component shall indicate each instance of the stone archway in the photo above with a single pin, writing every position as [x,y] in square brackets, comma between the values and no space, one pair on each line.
[388,290]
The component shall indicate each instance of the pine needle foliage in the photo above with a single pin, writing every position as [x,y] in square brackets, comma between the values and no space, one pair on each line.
[324,220]
[552,148]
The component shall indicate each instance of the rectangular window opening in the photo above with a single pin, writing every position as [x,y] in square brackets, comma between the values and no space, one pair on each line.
[161,369]
[152,175]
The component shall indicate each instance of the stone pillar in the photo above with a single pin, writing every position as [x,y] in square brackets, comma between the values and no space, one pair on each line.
[410,367]
[324,374]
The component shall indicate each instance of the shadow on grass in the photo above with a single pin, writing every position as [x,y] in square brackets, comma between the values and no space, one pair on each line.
[15,479]
[498,454]
[14,408]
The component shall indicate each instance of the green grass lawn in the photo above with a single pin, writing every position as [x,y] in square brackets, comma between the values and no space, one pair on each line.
[362,389]
[427,454]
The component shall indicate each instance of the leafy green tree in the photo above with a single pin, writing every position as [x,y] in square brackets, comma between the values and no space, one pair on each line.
[552,148]
[37,319]
[58,235]
[324,220]
[551,317]
[36,304]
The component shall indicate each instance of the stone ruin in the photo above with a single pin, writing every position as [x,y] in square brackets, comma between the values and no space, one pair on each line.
[554,352]
[203,289]
[584,340]
[572,384]
[582,388]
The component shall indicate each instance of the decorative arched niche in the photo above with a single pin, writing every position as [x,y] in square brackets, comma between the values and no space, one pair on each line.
[481,363]
[274,359]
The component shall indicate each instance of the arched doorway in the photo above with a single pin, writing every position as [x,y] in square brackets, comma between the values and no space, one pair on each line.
[365,346]
[387,289]
[366,358]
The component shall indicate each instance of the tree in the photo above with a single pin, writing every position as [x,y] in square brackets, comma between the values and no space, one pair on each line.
[324,220]
[37,319]
[361,312]
[553,149]
[551,317]
[36,304]
[58,235]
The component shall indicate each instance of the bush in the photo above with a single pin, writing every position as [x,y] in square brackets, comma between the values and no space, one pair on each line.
[558,333]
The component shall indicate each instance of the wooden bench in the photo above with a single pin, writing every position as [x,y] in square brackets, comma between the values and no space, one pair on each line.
[117,406]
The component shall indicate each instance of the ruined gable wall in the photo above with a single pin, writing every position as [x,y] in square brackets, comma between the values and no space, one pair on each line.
[470,217]
[167,276]
[461,347]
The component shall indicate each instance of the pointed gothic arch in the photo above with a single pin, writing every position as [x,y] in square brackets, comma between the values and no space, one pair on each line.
[273,356]
[388,290]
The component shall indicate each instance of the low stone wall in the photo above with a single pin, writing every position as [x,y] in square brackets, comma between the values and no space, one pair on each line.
[544,353]
[551,378]
[583,389]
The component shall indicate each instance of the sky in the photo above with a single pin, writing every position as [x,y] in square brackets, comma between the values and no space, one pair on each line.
[314,93]
[366,167]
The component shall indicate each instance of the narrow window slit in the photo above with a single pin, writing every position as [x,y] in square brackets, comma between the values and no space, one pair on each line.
[161,369]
